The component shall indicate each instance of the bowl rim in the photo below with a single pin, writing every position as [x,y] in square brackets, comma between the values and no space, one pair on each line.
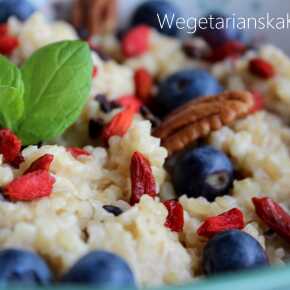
[268,278]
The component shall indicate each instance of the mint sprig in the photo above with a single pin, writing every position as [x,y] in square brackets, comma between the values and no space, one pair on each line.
[11,94]
[11,107]
[57,82]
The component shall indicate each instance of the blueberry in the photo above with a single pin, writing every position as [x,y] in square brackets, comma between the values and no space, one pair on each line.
[116,211]
[23,267]
[214,34]
[203,171]
[147,12]
[231,251]
[4,11]
[185,86]
[21,9]
[101,269]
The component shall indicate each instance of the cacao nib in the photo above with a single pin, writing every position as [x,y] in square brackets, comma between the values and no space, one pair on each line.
[95,128]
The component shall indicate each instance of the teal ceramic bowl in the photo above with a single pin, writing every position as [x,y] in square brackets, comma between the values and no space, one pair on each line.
[270,278]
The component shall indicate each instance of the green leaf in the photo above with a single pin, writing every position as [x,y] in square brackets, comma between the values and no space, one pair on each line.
[57,80]
[11,107]
[10,75]
[11,94]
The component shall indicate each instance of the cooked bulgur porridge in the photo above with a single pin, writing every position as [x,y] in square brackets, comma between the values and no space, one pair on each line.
[120,188]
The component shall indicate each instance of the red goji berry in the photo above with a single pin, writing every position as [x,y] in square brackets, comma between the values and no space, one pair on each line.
[232,219]
[231,49]
[119,125]
[30,186]
[7,44]
[261,68]
[128,101]
[142,179]
[175,217]
[143,84]
[273,215]
[42,163]
[17,161]
[76,152]
[258,102]
[3,29]
[136,41]
[10,145]
[95,71]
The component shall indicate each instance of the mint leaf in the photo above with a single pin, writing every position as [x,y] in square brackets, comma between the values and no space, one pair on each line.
[11,94]
[57,80]
[10,75]
[11,107]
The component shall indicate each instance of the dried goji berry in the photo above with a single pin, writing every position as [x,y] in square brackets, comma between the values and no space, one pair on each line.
[30,186]
[143,84]
[273,215]
[17,161]
[232,219]
[142,179]
[10,145]
[231,49]
[76,152]
[119,125]
[175,217]
[42,163]
[3,29]
[136,41]
[258,101]
[7,44]
[128,101]
[95,71]
[261,68]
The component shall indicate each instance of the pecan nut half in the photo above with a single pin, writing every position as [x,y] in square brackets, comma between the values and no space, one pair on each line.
[196,119]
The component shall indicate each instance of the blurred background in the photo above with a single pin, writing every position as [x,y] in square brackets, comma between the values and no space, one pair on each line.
[244,8]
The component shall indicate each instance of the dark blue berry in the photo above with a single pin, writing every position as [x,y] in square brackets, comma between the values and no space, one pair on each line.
[203,171]
[215,34]
[116,211]
[147,12]
[102,270]
[231,251]
[23,268]
[185,86]
[21,9]
[4,12]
